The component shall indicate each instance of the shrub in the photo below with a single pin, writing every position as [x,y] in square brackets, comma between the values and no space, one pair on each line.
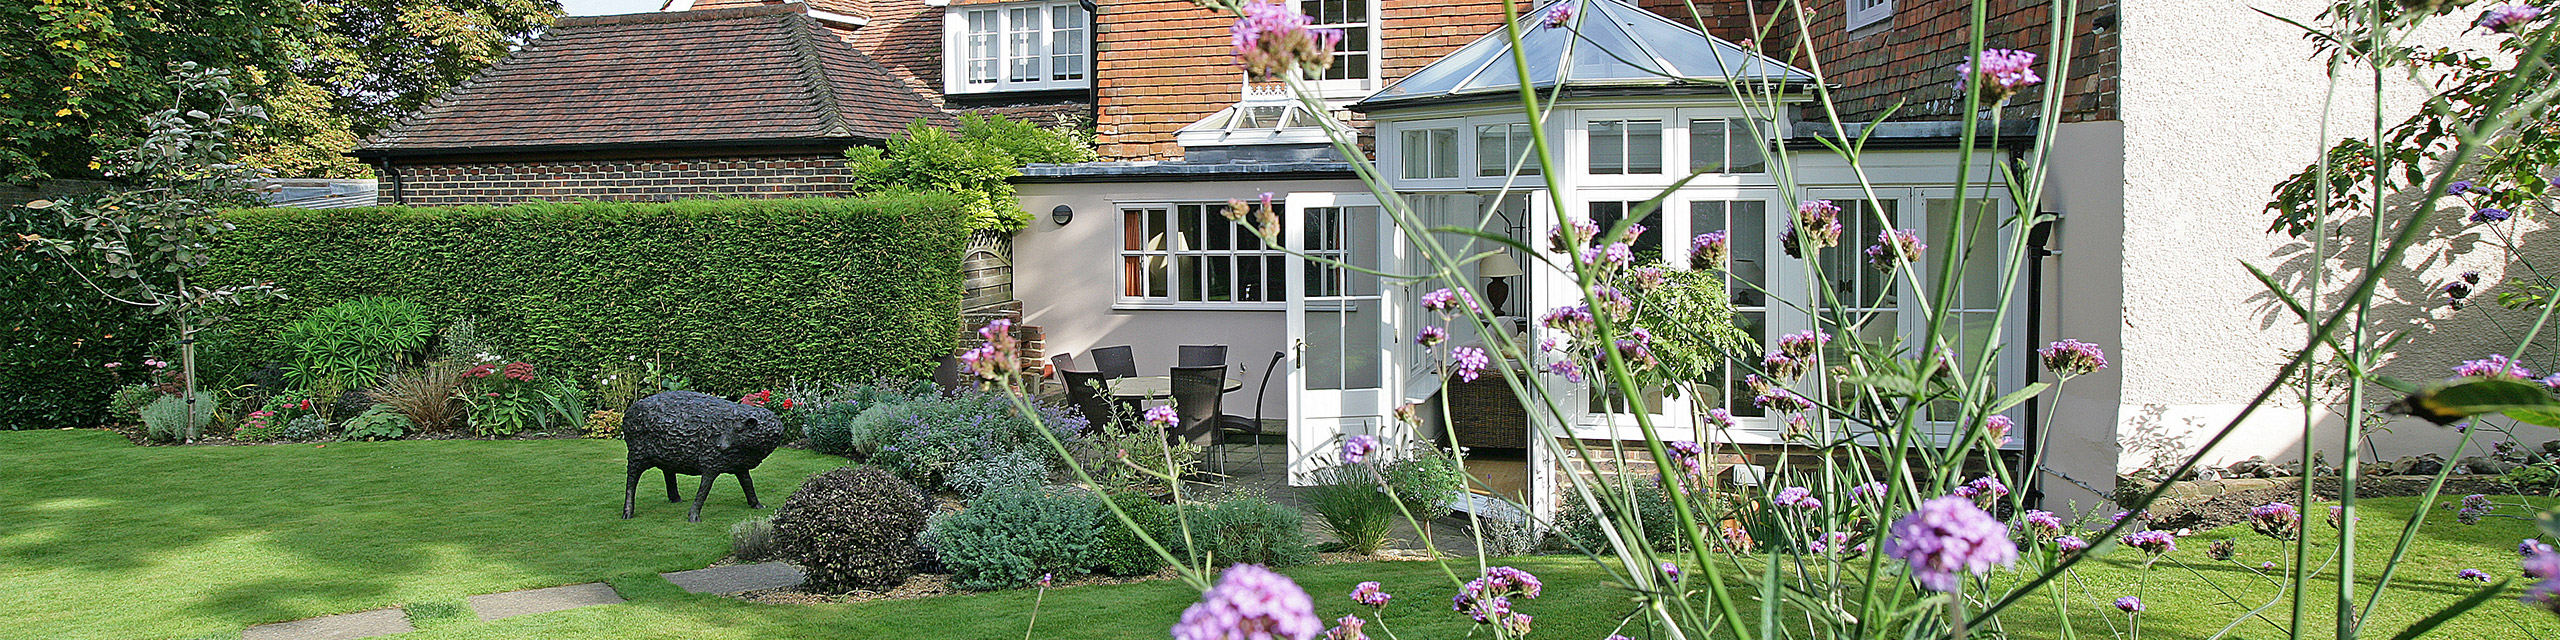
[1109,454]
[129,400]
[1250,529]
[1427,482]
[307,427]
[926,438]
[461,341]
[378,423]
[1005,470]
[1353,509]
[59,333]
[852,527]
[740,294]
[1119,551]
[1505,537]
[1005,539]
[502,400]
[165,419]
[604,423]
[831,428]
[752,539]
[428,395]
[975,163]
[1653,511]
[260,426]
[353,340]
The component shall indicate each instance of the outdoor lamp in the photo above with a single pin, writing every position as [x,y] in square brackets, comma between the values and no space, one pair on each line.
[1498,269]
[1062,215]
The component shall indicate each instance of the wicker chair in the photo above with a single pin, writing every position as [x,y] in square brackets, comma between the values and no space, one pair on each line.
[1202,355]
[1115,362]
[1198,393]
[1087,393]
[1232,427]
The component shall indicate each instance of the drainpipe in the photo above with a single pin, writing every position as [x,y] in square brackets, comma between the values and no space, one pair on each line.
[1093,60]
[385,172]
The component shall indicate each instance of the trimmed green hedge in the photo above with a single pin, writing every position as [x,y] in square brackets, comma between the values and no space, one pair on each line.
[57,334]
[737,294]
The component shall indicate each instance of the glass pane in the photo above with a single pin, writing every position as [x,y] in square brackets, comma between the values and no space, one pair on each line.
[1221,232]
[1750,154]
[1190,272]
[1158,282]
[1022,36]
[1275,275]
[1444,153]
[1608,147]
[1191,238]
[1858,284]
[1706,146]
[1644,146]
[1219,277]
[1359,237]
[1520,148]
[1417,161]
[1344,350]
[1979,288]
[1249,279]
[1490,144]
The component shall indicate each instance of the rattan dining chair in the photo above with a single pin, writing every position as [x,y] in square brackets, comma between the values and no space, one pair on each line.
[1202,355]
[1232,427]
[1115,362]
[1198,393]
[1087,393]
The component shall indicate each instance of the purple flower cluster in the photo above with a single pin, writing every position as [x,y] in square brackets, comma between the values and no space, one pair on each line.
[1357,448]
[2221,550]
[2543,566]
[1798,497]
[2474,507]
[2494,366]
[1616,255]
[1721,418]
[1947,537]
[2151,541]
[2529,546]
[1347,628]
[1442,300]
[1250,603]
[1162,416]
[1783,367]
[1557,15]
[1999,72]
[999,356]
[1782,401]
[2044,525]
[1272,39]
[2129,604]
[1820,222]
[1567,239]
[1370,594]
[1869,492]
[2276,520]
[2070,544]
[1572,319]
[1709,250]
[1487,599]
[2067,358]
[1999,425]
[1471,362]
[2486,215]
[1836,542]
[2507,18]
[2474,575]
[1430,335]
[1572,371]
[1893,247]
[1670,572]
[1985,488]
[1691,455]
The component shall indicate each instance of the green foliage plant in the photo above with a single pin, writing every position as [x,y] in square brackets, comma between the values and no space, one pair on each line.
[167,419]
[1005,539]
[1119,550]
[752,539]
[924,439]
[1249,529]
[1427,482]
[380,422]
[1001,471]
[734,295]
[503,400]
[354,340]
[1350,504]
[603,424]
[975,163]
[853,527]
[429,395]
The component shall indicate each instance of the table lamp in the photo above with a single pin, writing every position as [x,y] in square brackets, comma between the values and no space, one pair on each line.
[1498,269]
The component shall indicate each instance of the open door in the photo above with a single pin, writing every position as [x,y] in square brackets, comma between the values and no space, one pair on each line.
[1341,337]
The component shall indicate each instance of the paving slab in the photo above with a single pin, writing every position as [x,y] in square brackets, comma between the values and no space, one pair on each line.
[737,578]
[516,603]
[345,626]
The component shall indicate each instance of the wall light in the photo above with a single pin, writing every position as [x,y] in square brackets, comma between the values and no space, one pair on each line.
[1062,215]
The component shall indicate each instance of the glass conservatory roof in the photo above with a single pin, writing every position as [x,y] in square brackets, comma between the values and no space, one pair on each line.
[1605,43]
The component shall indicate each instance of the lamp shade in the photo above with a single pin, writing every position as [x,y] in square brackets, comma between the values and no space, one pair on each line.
[1499,265]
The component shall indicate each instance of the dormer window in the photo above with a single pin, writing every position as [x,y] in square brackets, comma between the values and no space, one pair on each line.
[1016,47]
[1867,12]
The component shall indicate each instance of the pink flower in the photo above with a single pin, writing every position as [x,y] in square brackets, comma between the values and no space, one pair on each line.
[1709,250]
[1271,40]
[2001,72]
[112,365]
[1557,15]
[2507,18]
[1370,593]
[2068,358]
[1163,416]
[1358,448]
[1999,426]
[1250,603]
[1948,537]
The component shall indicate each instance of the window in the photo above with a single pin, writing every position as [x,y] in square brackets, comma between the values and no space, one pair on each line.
[1498,146]
[1648,245]
[1725,145]
[1625,147]
[1867,12]
[1191,253]
[1430,153]
[1018,47]
[1351,60]
[1745,223]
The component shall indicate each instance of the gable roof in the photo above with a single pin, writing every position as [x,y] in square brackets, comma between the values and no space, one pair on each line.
[748,76]
[1606,44]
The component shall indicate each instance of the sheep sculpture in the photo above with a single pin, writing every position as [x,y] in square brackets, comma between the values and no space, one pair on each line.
[696,434]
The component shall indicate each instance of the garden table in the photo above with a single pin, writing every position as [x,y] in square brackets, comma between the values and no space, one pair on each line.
[1156,386]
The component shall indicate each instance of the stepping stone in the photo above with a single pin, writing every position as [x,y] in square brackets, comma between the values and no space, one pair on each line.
[546,600]
[345,626]
[737,578]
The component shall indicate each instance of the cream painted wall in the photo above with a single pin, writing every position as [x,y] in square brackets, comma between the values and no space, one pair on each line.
[2084,297]
[1066,277]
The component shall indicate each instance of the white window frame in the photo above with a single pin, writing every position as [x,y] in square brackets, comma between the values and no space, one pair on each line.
[1772,128]
[1017,45]
[1398,152]
[1674,134]
[1171,255]
[1867,12]
[1352,88]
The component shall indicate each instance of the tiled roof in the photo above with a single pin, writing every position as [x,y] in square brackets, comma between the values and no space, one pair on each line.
[741,76]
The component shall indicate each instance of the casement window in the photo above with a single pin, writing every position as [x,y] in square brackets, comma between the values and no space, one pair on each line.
[1746,227]
[1867,12]
[1625,147]
[1726,145]
[1189,253]
[1017,47]
[1355,60]
[1430,153]
[1499,146]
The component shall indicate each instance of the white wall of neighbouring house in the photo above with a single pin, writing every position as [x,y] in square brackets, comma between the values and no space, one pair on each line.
[1067,278]
[2219,104]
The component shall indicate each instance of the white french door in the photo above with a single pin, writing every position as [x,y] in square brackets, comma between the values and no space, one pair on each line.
[1342,335]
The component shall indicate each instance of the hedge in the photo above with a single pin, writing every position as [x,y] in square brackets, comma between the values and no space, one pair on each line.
[735,294]
[60,333]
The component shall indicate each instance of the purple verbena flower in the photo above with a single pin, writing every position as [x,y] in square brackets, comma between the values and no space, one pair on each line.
[1670,571]
[1441,300]
[1163,416]
[1803,344]
[1983,488]
[1430,335]
[1819,221]
[1998,72]
[1573,319]
[1250,603]
[1798,497]
[1557,15]
[2129,604]
[1869,492]
[2486,215]
[1370,594]
[1947,537]
[1347,628]
[2495,366]
[1569,239]
[2151,541]
[1471,362]
[1999,426]
[2069,358]
[1893,247]
[1571,370]
[2507,18]
[2070,544]
[1721,418]
[2457,188]
[1782,401]
[2276,520]
[1272,39]
[1709,250]
[2044,525]
[1358,448]
[2544,568]
[1691,455]
[2221,549]
[2474,575]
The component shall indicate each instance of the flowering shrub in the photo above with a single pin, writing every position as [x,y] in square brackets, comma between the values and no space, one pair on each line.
[501,398]
[927,438]
[603,424]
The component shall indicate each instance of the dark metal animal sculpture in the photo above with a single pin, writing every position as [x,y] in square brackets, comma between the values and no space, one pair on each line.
[696,434]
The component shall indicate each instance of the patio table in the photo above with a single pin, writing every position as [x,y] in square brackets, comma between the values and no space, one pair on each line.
[1156,387]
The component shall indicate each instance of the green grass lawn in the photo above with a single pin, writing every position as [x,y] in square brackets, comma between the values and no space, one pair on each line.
[107,540]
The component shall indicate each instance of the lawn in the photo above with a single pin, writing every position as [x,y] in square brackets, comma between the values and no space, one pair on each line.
[108,540]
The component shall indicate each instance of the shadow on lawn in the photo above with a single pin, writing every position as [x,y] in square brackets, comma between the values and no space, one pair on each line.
[241,535]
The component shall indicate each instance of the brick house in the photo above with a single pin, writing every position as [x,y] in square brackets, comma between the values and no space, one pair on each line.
[755,101]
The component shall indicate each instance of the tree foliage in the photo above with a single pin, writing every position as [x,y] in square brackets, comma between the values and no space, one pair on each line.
[975,162]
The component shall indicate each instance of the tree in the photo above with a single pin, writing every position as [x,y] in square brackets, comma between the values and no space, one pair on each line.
[976,163]
[139,244]
[76,75]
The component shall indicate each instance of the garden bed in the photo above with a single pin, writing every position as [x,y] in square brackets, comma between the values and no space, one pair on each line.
[2205,504]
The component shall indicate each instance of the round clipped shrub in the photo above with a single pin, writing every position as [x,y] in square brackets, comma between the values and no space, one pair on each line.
[1251,529]
[1005,539]
[852,527]
[1119,551]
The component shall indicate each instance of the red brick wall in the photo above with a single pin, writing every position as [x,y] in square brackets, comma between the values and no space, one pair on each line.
[630,180]
[1912,62]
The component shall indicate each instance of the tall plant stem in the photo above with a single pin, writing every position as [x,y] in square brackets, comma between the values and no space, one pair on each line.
[2359,342]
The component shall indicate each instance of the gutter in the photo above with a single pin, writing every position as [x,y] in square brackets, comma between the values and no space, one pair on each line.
[642,149]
